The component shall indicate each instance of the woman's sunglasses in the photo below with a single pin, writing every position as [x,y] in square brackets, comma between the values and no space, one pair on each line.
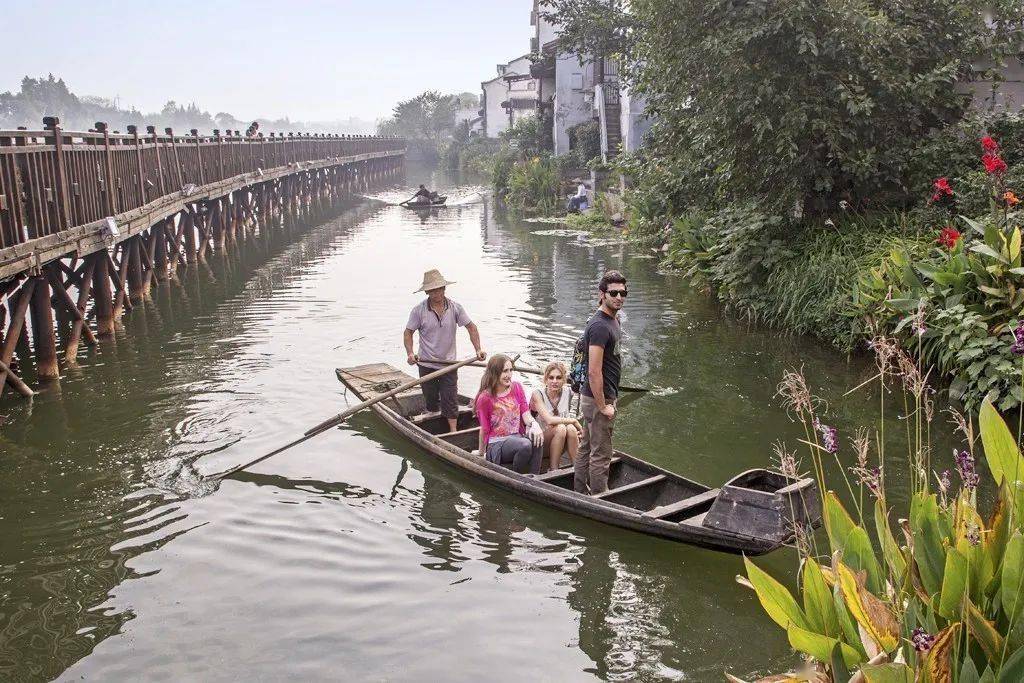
[617,292]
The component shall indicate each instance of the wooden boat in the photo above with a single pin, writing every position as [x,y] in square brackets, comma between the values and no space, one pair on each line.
[753,513]
[425,205]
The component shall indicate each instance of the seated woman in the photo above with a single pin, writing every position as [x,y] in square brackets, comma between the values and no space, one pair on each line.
[504,415]
[551,405]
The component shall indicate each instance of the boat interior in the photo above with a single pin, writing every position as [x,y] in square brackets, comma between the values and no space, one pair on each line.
[657,494]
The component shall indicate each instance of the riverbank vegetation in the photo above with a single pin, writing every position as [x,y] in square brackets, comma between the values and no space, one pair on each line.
[807,159]
[430,124]
[930,591]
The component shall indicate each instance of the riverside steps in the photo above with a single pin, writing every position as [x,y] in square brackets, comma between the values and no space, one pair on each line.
[90,222]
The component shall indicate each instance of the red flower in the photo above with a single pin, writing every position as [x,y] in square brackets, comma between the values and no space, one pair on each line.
[989,145]
[994,164]
[948,237]
[942,187]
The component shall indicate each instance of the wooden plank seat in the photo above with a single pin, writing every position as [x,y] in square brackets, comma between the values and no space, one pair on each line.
[683,505]
[423,417]
[649,481]
[452,436]
[564,472]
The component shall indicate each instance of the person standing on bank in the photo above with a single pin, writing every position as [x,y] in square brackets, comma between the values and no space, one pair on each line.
[436,319]
[602,340]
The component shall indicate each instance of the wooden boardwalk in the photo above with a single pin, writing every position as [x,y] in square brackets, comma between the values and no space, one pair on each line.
[90,222]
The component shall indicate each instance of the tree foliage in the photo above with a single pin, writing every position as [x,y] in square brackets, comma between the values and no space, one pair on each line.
[797,103]
[51,96]
[429,117]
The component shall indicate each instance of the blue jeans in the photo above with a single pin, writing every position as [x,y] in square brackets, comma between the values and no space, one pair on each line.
[516,452]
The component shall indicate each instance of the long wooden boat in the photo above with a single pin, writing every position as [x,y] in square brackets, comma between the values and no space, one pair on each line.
[753,513]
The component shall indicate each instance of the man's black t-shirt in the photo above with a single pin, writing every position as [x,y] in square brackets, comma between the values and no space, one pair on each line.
[603,330]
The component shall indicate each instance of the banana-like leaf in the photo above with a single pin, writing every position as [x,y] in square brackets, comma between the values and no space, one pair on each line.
[984,633]
[887,673]
[776,600]
[1011,587]
[818,605]
[860,556]
[1001,452]
[851,634]
[954,585]
[979,565]
[929,540]
[891,552]
[1014,247]
[820,647]
[937,663]
[998,527]
[986,250]
[1013,668]
[871,613]
[838,523]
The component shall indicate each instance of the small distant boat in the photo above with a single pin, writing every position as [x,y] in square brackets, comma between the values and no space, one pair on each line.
[753,513]
[426,205]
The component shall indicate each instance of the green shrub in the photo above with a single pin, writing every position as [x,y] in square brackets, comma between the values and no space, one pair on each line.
[533,185]
[584,144]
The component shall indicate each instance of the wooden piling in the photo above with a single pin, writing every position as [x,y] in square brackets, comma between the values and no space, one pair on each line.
[103,297]
[43,335]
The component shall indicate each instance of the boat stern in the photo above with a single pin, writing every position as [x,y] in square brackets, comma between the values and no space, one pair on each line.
[765,505]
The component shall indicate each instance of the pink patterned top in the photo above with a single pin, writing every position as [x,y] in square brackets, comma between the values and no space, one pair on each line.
[502,415]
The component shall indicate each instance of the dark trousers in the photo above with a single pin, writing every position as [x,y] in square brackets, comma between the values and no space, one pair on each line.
[517,452]
[441,393]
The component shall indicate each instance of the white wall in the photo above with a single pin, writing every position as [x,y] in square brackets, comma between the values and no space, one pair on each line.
[633,120]
[574,97]
[498,90]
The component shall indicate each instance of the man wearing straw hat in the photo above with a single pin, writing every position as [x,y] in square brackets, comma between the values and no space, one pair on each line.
[436,319]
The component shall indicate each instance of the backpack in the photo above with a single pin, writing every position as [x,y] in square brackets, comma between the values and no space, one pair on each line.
[578,365]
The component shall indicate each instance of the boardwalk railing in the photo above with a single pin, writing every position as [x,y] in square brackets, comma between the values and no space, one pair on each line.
[89,222]
[53,180]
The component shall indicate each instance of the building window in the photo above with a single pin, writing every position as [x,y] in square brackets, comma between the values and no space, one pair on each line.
[577,81]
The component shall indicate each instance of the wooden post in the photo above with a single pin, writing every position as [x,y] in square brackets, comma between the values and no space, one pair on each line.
[188,220]
[136,289]
[160,254]
[52,123]
[17,326]
[143,194]
[43,335]
[108,158]
[103,296]
[159,164]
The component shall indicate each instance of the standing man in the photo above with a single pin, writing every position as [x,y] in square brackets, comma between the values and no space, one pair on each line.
[436,319]
[602,340]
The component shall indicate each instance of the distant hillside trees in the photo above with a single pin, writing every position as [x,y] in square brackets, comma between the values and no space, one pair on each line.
[50,96]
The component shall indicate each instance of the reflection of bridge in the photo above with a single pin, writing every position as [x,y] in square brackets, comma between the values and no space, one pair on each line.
[90,221]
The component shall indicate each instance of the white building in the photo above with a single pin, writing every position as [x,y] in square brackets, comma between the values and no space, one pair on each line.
[508,97]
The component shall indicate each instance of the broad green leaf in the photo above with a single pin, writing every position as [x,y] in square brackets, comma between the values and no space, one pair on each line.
[840,672]
[937,664]
[969,672]
[1014,247]
[820,647]
[929,540]
[954,585]
[887,673]
[870,612]
[838,523]
[818,605]
[998,527]
[1001,452]
[1011,587]
[986,250]
[774,598]
[851,635]
[891,552]
[1013,668]
[860,556]
[984,633]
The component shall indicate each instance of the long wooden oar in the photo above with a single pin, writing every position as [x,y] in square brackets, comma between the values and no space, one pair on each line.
[341,417]
[530,371]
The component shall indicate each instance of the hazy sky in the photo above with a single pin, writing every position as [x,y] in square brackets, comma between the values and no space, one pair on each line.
[307,59]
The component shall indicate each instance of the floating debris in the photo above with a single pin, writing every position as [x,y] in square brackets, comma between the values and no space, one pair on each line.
[560,232]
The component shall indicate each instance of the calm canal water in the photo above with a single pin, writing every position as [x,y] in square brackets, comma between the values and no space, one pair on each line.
[355,556]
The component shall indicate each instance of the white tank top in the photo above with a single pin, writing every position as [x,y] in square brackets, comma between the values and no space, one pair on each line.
[562,409]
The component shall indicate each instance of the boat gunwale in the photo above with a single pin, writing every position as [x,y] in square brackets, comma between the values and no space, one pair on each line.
[560,498]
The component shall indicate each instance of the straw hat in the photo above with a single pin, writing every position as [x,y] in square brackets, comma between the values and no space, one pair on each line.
[432,279]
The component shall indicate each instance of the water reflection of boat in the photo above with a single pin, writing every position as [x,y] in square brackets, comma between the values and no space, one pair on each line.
[753,513]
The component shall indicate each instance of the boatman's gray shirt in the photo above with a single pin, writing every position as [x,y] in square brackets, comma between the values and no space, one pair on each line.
[437,333]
